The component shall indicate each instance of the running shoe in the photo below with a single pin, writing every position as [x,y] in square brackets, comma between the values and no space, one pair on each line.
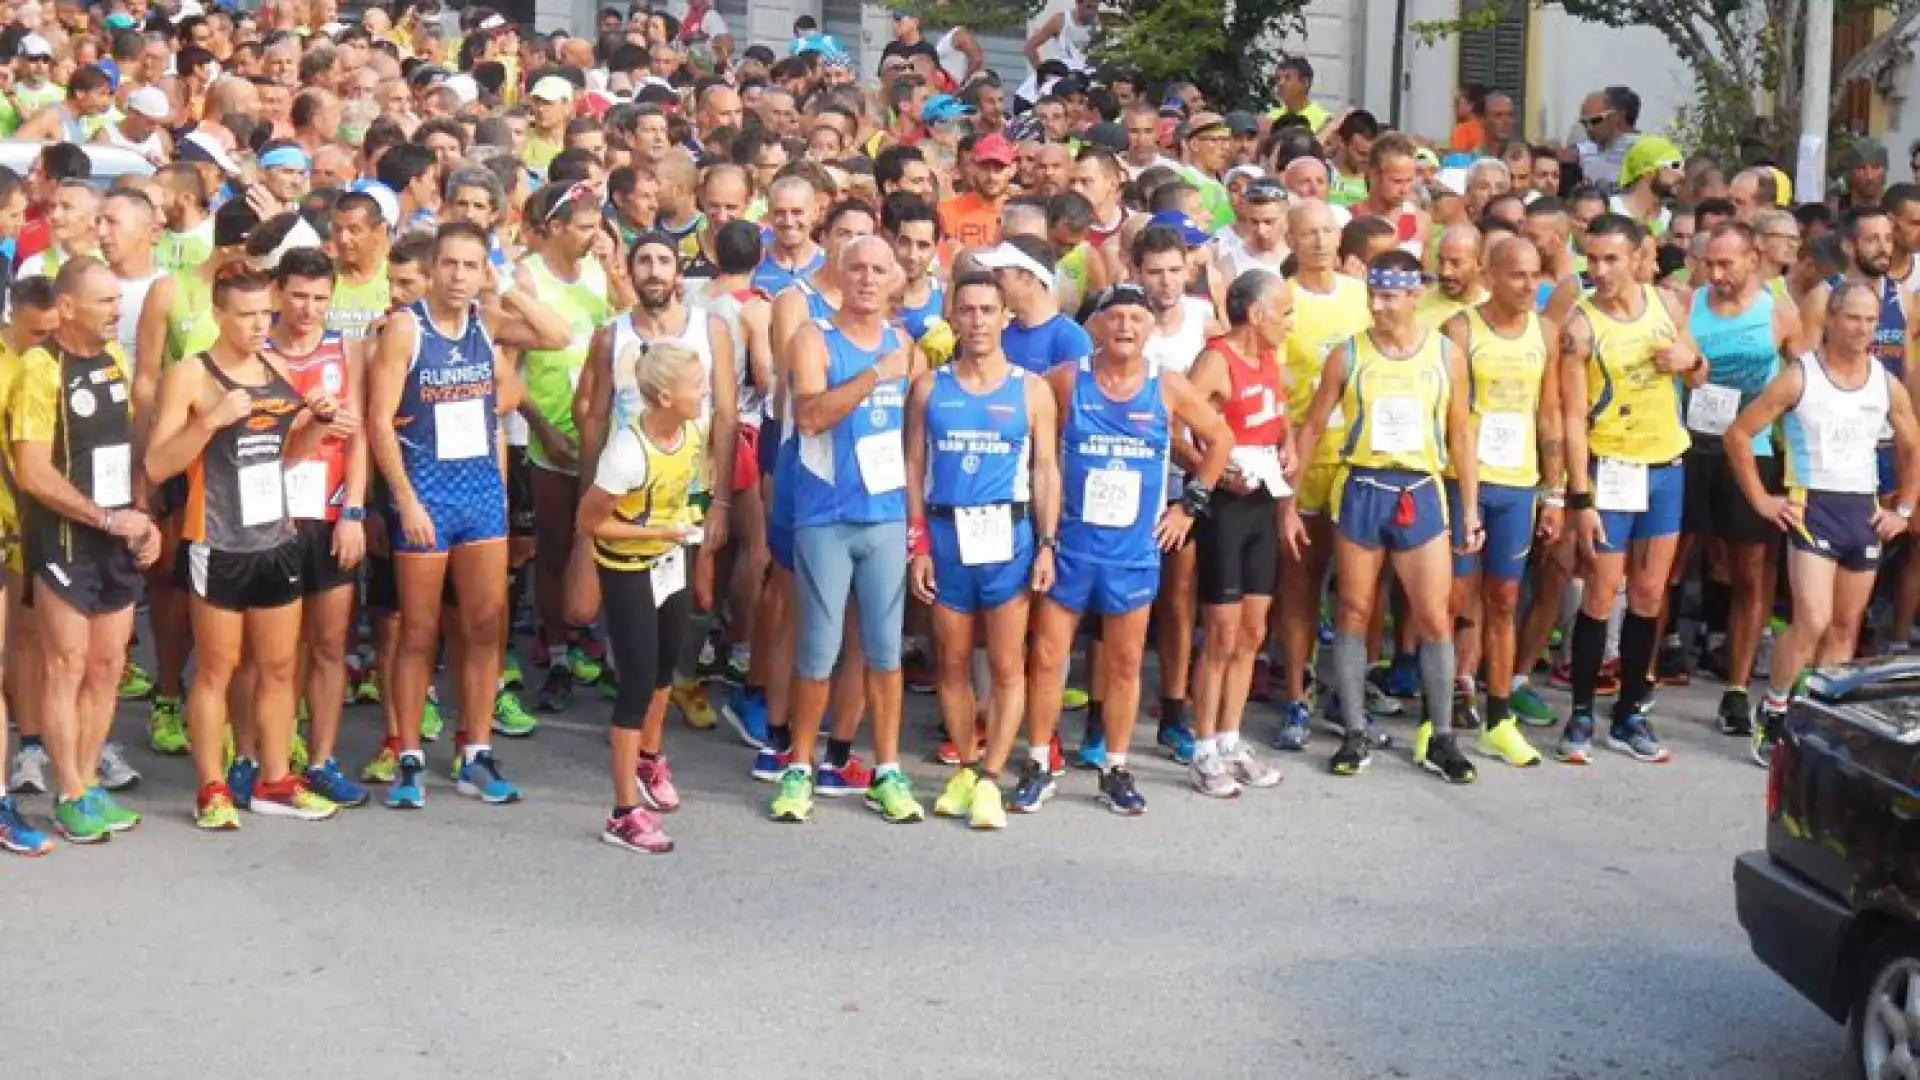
[118,818]
[1605,684]
[1531,709]
[115,773]
[1208,775]
[843,781]
[1296,728]
[1437,753]
[957,799]
[1561,677]
[949,754]
[510,718]
[609,685]
[480,778]
[794,801]
[1249,769]
[1576,741]
[1735,713]
[585,666]
[511,675]
[769,765]
[1093,747]
[1056,755]
[327,781]
[1118,794]
[556,693]
[746,713]
[431,722]
[365,690]
[1466,710]
[29,772]
[242,775]
[81,820]
[637,830]
[1766,735]
[711,665]
[891,796]
[1401,678]
[298,758]
[691,699]
[16,836]
[739,665]
[382,768]
[134,682]
[1353,757]
[289,798]
[1176,739]
[1073,699]
[1633,736]
[988,810]
[1381,703]
[1670,668]
[1505,741]
[407,792]
[656,784]
[1034,789]
[214,810]
[166,726]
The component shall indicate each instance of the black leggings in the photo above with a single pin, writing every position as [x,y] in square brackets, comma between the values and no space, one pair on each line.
[645,638]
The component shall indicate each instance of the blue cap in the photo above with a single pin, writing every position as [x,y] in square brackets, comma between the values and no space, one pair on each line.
[945,108]
[1193,234]
[120,20]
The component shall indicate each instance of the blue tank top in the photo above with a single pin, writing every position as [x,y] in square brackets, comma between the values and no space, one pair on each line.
[978,446]
[449,436]
[854,473]
[1740,355]
[770,277]
[916,318]
[785,452]
[1059,340]
[1113,468]
[1890,337]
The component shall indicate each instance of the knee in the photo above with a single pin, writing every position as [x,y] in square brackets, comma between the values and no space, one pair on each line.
[1223,640]
[327,649]
[1502,602]
[1350,614]
[1004,668]
[955,661]
[1050,653]
[1645,598]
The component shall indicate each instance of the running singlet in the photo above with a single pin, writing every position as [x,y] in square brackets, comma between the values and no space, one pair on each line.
[1039,349]
[979,447]
[1503,398]
[10,368]
[1178,350]
[786,458]
[1070,276]
[190,326]
[552,374]
[82,407]
[1322,321]
[750,400]
[445,422]
[1890,337]
[1398,406]
[1831,433]
[1113,467]
[1633,408]
[915,319]
[133,298]
[770,277]
[694,334]
[856,472]
[1742,359]
[317,486]
[1437,307]
[236,496]
[650,484]
[355,308]
[1256,413]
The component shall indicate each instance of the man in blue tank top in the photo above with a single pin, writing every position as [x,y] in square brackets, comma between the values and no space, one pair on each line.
[1116,420]
[848,385]
[1038,337]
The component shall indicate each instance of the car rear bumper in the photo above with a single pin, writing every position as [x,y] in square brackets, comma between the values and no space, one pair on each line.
[1796,928]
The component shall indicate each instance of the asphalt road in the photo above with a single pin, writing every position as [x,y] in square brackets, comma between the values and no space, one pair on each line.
[1553,924]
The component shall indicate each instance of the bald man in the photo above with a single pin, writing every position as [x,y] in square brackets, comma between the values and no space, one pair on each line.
[1456,274]
[1309,178]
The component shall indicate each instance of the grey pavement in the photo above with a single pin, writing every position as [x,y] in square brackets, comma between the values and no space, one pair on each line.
[1549,924]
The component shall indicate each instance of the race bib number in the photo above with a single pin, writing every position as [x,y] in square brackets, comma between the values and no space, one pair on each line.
[460,429]
[1711,409]
[1503,440]
[113,475]
[1111,498]
[669,575]
[1621,486]
[262,501]
[1841,444]
[307,490]
[986,534]
[883,467]
[1396,425]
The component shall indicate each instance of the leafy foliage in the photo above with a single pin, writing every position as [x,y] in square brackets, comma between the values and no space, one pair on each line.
[1227,49]
[972,14]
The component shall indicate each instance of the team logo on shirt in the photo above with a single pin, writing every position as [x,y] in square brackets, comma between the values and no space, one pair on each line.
[878,417]
[82,403]
[970,464]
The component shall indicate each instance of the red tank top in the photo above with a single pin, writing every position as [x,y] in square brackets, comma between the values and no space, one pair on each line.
[1256,398]
[317,487]
[1098,236]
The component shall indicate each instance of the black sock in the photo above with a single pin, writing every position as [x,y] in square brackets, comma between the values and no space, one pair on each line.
[838,751]
[30,742]
[1497,710]
[1636,651]
[649,755]
[780,737]
[1716,602]
[1172,712]
[622,811]
[1589,645]
[1095,724]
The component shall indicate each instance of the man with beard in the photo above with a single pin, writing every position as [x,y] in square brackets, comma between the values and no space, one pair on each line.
[1456,276]
[1649,177]
[973,219]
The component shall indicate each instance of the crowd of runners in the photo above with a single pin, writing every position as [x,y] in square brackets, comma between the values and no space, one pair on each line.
[427,359]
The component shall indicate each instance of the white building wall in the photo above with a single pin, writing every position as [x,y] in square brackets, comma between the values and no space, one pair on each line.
[1577,58]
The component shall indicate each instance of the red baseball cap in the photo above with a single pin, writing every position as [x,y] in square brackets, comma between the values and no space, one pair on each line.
[994,148]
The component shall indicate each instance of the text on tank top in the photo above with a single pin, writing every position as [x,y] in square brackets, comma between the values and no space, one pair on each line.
[445,421]
[979,445]
[317,486]
[1831,433]
[236,494]
[1397,406]
[1113,469]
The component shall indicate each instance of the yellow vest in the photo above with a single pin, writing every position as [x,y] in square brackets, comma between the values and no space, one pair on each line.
[1398,406]
[1321,323]
[1503,395]
[661,500]
[1633,408]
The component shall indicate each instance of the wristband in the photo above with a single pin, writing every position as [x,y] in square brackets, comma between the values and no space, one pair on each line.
[918,543]
[353,513]
[1579,500]
[1195,497]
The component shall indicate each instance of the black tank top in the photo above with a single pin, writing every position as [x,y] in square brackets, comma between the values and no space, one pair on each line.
[236,497]
[92,448]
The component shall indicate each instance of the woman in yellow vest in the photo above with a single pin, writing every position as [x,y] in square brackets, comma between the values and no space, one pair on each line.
[632,524]
[1403,393]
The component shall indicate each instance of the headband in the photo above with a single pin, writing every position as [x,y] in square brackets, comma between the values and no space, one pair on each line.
[285,157]
[1381,278]
[574,191]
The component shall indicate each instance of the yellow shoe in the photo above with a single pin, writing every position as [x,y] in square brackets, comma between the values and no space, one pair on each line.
[1504,741]
[691,699]
[954,801]
[988,810]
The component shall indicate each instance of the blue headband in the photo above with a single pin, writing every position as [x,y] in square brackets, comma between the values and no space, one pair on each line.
[1394,279]
[285,157]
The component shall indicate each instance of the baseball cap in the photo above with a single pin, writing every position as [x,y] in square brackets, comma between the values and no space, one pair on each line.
[945,108]
[552,88]
[994,148]
[382,196]
[150,102]
[1008,256]
[1125,293]
[1649,154]
[1241,122]
[120,20]
[35,45]
[464,88]
[1107,135]
[1425,156]
[1453,178]
[1251,172]
[1193,234]
[198,146]
[1201,122]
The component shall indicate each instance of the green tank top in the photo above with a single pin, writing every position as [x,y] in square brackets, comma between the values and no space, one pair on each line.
[355,308]
[552,374]
[1347,190]
[190,325]
[185,250]
[1071,272]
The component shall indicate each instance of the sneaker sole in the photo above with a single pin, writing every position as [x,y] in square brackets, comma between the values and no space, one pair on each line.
[1573,757]
[1353,772]
[407,804]
[986,826]
[472,792]
[792,817]
[1495,755]
[1619,747]
[515,733]
[281,810]
[24,851]
[87,841]
[641,849]
[822,792]
[740,728]
[225,826]
[1430,767]
[1122,811]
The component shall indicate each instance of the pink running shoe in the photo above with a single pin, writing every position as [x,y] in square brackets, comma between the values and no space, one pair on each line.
[637,830]
[656,785]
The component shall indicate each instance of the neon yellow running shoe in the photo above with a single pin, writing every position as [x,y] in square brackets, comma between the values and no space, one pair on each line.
[167,726]
[958,797]
[510,718]
[134,682]
[794,801]
[216,812]
[298,759]
[691,699]
[383,768]
[989,809]
[891,796]
[1504,741]
[1073,699]
[431,723]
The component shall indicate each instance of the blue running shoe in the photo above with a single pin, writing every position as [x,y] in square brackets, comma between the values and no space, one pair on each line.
[480,779]
[1403,677]
[769,764]
[1093,747]
[1034,789]
[1633,736]
[1118,794]
[407,793]
[328,782]
[241,776]
[1178,741]
[1576,741]
[16,836]
[746,712]
[1296,728]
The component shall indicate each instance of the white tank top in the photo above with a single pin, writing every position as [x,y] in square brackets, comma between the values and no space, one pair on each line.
[1832,432]
[1240,259]
[626,344]
[1177,351]
[752,402]
[952,60]
[1074,42]
[133,296]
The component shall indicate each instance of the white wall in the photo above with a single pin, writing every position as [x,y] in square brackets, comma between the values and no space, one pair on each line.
[1578,57]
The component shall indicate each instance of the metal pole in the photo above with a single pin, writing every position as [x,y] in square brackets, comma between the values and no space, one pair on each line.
[1816,89]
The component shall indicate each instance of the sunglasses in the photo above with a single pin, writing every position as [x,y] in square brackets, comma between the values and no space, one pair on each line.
[1595,120]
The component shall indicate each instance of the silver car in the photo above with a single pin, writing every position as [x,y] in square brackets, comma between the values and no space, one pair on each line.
[109,162]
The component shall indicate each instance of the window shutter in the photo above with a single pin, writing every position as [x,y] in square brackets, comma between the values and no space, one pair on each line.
[1496,58]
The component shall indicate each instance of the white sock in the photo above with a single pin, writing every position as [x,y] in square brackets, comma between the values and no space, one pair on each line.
[1040,756]
[1228,742]
[1519,684]
[1205,748]
[474,750]
[884,768]
[557,656]
[1116,761]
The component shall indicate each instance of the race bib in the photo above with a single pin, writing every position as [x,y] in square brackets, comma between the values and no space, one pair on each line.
[883,467]
[307,491]
[460,429]
[1503,440]
[1336,419]
[1260,465]
[1841,443]
[1396,425]
[1621,486]
[669,575]
[261,499]
[1111,498]
[986,534]
[1711,409]
[113,475]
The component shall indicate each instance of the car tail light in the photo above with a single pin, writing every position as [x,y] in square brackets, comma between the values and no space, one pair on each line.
[1776,771]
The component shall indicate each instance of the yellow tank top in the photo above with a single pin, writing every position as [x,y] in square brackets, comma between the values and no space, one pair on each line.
[1321,322]
[1398,406]
[660,500]
[1503,395]
[1435,308]
[10,366]
[1633,408]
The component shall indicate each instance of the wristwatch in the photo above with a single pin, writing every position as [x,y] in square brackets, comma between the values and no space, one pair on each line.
[1905,512]
[353,513]
[1047,543]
